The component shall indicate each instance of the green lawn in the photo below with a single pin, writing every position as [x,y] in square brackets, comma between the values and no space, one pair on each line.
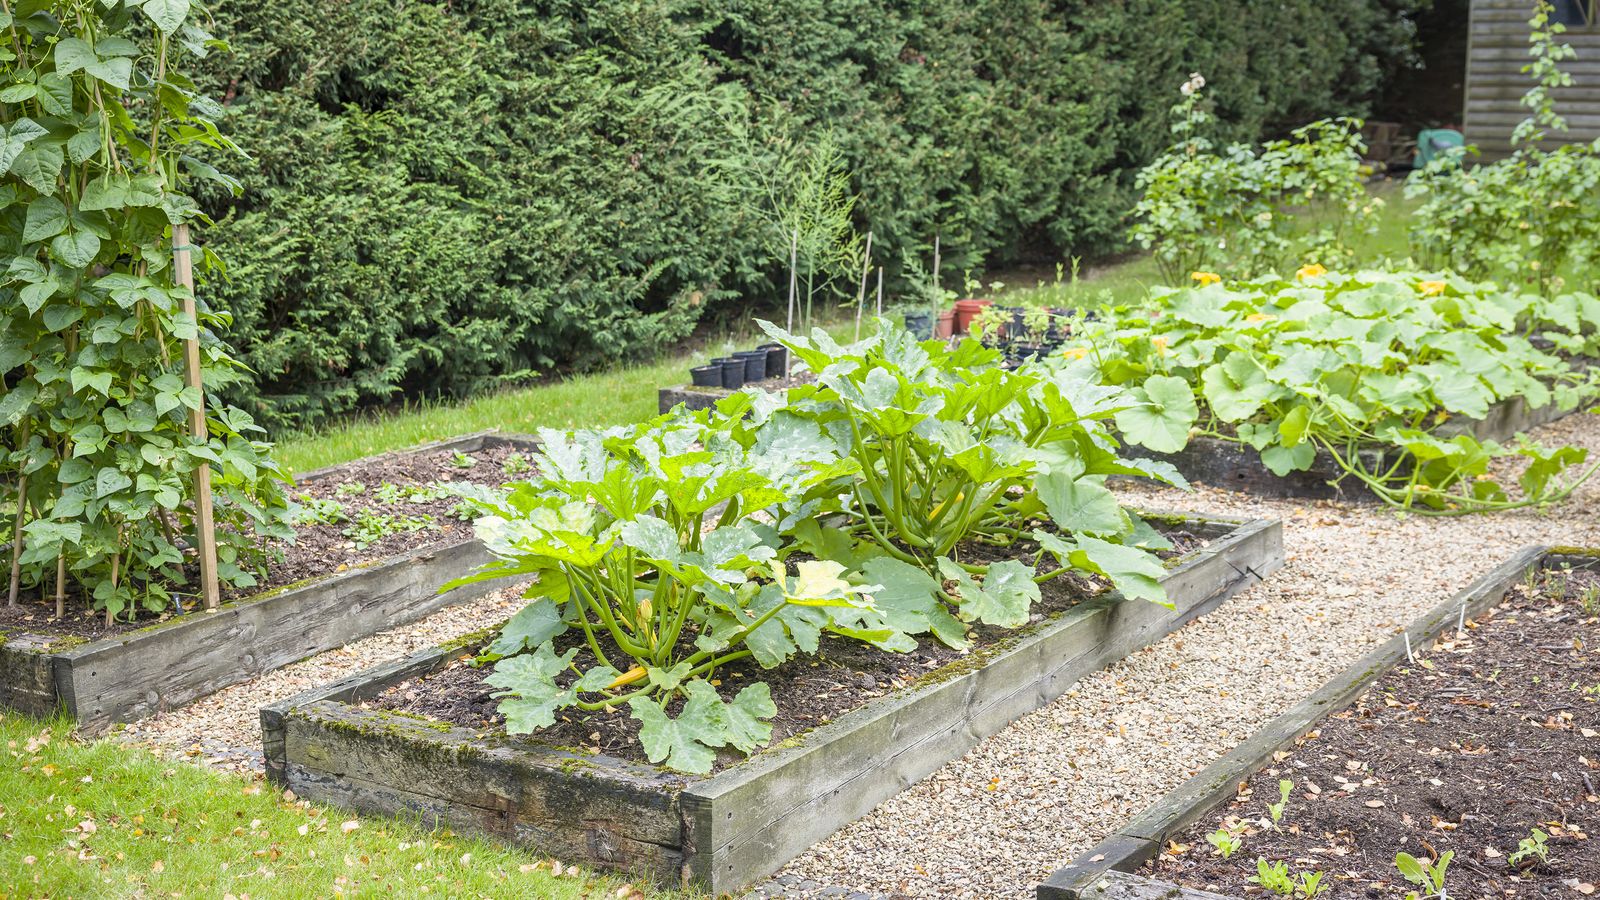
[98,819]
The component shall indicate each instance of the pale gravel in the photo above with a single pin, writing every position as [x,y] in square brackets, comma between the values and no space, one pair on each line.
[997,821]
[224,729]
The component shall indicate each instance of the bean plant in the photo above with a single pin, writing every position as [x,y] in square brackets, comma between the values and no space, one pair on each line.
[1231,209]
[101,128]
[1346,363]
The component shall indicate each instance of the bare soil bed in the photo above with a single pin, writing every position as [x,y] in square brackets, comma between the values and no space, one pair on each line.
[842,676]
[384,507]
[1487,737]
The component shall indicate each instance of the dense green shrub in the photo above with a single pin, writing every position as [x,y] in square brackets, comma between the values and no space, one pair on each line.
[449,195]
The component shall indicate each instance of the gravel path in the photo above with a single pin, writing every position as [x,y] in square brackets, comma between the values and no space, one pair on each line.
[997,821]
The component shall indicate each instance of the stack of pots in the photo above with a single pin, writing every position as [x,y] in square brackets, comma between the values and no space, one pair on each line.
[742,368]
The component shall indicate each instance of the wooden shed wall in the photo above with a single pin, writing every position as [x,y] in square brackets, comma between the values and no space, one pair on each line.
[1497,50]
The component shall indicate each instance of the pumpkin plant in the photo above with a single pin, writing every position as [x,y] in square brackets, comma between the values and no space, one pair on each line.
[1346,363]
[653,547]
[950,450]
[101,127]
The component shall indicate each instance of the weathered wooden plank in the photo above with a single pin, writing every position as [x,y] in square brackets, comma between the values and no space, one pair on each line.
[131,676]
[1126,886]
[1130,847]
[585,809]
[27,675]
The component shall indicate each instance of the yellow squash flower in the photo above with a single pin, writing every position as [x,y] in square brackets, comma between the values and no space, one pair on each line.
[1075,352]
[1311,270]
[1160,343]
[1259,317]
[1205,278]
[1431,288]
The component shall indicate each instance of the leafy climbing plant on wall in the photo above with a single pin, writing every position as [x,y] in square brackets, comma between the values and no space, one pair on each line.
[99,120]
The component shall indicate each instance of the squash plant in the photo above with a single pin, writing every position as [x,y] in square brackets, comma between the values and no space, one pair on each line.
[100,124]
[1347,362]
[655,546]
[950,450]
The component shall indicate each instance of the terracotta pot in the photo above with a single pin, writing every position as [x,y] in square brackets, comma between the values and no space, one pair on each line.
[966,311]
[945,326]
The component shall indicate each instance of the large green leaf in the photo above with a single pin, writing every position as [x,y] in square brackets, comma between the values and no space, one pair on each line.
[1004,598]
[1166,412]
[1082,504]
[687,743]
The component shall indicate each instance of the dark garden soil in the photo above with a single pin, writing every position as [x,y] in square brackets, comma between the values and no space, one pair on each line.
[1488,737]
[363,492]
[808,691]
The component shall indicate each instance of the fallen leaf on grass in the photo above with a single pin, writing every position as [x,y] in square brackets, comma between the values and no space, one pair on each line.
[349,826]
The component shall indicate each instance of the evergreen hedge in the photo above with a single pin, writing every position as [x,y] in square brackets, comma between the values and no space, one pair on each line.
[448,195]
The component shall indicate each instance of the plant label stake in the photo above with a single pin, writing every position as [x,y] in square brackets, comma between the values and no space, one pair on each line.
[205,526]
[1409,658]
[861,294]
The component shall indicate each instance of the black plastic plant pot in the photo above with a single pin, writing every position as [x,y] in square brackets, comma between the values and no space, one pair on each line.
[920,324]
[777,359]
[732,371]
[706,376]
[755,364]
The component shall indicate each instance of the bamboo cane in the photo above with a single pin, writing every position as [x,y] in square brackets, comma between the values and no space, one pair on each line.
[61,585]
[861,293]
[880,292]
[16,528]
[794,286]
[205,524]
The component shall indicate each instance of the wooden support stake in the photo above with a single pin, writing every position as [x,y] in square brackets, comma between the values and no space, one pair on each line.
[794,286]
[861,294]
[880,292]
[16,541]
[205,521]
[936,265]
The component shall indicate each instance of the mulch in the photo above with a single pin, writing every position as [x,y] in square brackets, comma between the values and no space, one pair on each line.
[1488,737]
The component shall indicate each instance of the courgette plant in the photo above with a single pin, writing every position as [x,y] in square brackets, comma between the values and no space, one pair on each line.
[1350,363]
[654,548]
[951,452]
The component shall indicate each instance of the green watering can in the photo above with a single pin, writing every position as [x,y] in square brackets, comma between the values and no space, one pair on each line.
[1439,143]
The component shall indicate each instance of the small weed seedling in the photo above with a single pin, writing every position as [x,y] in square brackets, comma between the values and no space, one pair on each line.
[1310,884]
[410,493]
[1532,848]
[1226,842]
[516,465]
[461,460]
[1275,810]
[312,511]
[1430,879]
[370,527]
[1590,600]
[350,489]
[1273,877]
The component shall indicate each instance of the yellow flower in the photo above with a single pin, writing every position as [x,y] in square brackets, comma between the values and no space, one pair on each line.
[1205,278]
[1160,343]
[1260,317]
[1431,288]
[1311,270]
[1075,352]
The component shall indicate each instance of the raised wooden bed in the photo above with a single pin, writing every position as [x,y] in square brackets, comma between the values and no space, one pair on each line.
[1225,464]
[1106,870]
[139,673]
[723,831]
